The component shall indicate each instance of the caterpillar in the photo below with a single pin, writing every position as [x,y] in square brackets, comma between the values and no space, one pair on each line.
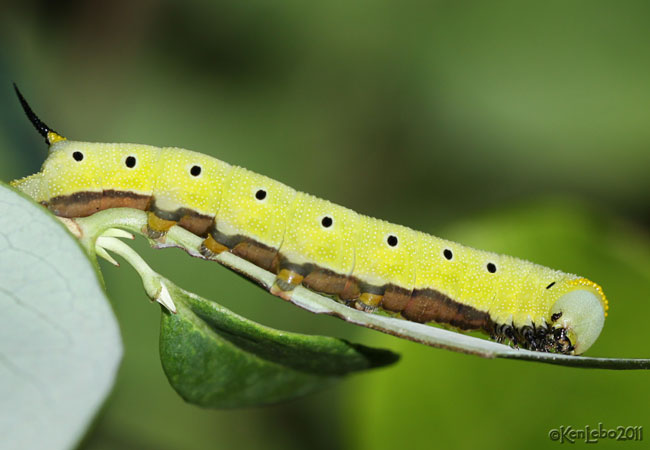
[365,262]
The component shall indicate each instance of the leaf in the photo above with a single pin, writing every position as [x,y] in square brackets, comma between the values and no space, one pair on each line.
[215,358]
[60,345]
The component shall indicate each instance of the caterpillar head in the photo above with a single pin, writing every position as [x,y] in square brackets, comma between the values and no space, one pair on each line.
[578,315]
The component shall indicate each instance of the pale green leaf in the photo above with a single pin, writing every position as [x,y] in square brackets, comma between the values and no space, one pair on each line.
[60,345]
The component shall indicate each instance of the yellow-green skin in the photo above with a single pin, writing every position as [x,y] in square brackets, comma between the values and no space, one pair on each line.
[517,292]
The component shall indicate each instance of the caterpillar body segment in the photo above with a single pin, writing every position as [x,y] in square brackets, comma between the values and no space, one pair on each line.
[365,262]
[247,211]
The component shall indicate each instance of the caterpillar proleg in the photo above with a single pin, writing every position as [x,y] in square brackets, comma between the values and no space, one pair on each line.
[365,262]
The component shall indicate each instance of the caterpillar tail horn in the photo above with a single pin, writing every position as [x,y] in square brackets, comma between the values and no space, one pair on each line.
[48,133]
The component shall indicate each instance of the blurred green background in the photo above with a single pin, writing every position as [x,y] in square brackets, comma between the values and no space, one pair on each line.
[512,127]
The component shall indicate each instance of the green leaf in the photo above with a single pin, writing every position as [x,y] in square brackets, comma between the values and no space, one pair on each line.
[216,358]
[60,345]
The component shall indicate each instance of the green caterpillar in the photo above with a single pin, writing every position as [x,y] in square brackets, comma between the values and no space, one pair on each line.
[365,262]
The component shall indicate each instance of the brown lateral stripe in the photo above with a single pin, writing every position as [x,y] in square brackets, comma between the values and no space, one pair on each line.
[82,204]
[258,254]
[395,299]
[434,305]
[246,248]
[429,305]
[313,277]
[124,199]
[423,305]
[79,204]
[325,281]
[194,222]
